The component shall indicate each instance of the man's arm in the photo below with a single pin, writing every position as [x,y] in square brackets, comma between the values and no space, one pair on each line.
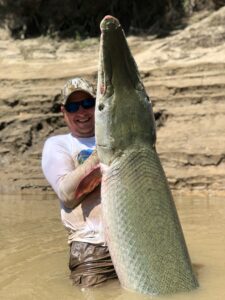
[70,184]
[74,186]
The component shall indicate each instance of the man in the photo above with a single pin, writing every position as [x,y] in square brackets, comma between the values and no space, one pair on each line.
[71,166]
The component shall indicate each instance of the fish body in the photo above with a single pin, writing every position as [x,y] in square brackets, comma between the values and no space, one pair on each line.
[142,227]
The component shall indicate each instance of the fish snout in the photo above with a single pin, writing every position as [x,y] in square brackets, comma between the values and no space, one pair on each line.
[109,23]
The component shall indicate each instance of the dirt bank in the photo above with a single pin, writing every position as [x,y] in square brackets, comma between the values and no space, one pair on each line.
[184,74]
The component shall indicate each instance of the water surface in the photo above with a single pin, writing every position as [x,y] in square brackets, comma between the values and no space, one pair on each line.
[34,251]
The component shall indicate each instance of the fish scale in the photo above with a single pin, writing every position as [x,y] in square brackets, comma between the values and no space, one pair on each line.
[142,228]
[139,217]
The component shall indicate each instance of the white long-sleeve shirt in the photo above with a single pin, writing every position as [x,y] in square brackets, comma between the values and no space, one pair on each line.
[59,160]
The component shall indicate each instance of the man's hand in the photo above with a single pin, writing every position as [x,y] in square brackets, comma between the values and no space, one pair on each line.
[89,183]
[91,179]
[76,185]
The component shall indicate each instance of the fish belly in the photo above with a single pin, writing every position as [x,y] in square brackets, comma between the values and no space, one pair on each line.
[142,228]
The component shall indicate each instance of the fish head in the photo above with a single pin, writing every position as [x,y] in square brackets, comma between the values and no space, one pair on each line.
[123,112]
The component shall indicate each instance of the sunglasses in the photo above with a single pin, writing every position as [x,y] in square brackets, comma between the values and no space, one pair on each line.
[73,107]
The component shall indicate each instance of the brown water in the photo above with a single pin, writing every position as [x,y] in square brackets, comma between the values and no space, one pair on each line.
[34,251]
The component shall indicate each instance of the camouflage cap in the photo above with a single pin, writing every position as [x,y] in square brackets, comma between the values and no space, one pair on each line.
[76,84]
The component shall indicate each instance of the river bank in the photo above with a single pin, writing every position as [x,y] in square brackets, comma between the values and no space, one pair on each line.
[183,73]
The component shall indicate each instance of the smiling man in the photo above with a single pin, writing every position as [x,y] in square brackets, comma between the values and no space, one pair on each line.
[71,166]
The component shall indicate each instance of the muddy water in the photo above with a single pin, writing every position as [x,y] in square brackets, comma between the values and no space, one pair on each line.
[34,251]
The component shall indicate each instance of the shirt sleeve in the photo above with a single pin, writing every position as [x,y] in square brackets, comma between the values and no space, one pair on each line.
[59,169]
[56,162]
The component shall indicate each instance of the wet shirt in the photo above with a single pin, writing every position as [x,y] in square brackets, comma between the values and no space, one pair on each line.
[61,155]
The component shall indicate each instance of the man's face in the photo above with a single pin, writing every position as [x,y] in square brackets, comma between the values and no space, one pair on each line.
[81,123]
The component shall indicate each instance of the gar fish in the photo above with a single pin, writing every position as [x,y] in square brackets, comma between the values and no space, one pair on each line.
[142,227]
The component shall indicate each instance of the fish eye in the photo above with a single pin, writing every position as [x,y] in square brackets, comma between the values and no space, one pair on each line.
[101,106]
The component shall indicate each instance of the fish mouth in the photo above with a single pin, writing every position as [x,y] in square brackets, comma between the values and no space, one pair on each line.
[117,66]
[109,23]
[123,111]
